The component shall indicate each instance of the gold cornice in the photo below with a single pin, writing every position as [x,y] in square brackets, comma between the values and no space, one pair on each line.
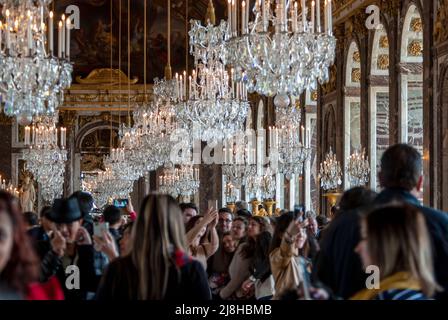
[347,10]
[106,76]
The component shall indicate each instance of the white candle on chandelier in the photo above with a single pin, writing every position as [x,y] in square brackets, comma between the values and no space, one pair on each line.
[1,30]
[295,17]
[308,136]
[63,35]
[330,18]
[233,82]
[8,32]
[50,32]
[30,32]
[304,21]
[185,84]
[234,27]
[264,14]
[326,16]
[60,39]
[303,135]
[318,16]
[243,15]
[27,135]
[229,14]
[189,86]
[313,4]
[247,15]
[67,49]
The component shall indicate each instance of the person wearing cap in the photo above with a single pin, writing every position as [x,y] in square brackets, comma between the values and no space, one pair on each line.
[70,245]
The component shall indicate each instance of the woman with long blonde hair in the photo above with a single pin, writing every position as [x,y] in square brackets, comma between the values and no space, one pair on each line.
[157,266]
[395,240]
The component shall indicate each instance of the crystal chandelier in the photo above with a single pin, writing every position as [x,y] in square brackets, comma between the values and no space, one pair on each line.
[32,78]
[209,102]
[121,166]
[104,185]
[46,156]
[179,181]
[9,187]
[330,173]
[239,160]
[268,184]
[231,193]
[358,169]
[289,149]
[280,52]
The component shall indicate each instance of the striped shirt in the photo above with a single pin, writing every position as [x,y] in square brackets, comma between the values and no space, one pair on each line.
[401,294]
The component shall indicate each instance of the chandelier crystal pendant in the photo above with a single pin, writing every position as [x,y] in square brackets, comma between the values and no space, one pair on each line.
[46,155]
[282,51]
[208,102]
[32,77]
[358,169]
[330,173]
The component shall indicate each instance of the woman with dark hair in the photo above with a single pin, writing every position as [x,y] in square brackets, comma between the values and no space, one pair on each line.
[202,237]
[240,267]
[19,266]
[395,239]
[288,267]
[157,266]
[260,280]
[356,198]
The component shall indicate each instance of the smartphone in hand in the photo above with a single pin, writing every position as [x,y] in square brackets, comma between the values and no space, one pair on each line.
[121,203]
[213,204]
[100,228]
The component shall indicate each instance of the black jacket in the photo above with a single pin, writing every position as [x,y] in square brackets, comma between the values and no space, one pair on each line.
[340,268]
[51,265]
[120,282]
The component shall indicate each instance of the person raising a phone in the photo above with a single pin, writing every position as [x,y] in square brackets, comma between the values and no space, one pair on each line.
[287,265]
[70,245]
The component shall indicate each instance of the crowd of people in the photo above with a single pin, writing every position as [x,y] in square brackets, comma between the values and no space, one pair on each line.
[384,246]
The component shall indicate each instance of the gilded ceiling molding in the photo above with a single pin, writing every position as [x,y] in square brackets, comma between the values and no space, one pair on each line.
[106,76]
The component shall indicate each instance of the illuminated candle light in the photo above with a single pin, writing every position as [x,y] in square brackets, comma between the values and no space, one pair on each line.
[50,33]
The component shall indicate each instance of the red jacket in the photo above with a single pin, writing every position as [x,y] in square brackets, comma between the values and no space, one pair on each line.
[51,290]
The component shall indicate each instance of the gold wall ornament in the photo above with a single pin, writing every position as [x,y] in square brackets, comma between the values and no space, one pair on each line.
[415,48]
[383,62]
[384,42]
[356,75]
[440,34]
[356,56]
[331,85]
[314,95]
[106,76]
[416,25]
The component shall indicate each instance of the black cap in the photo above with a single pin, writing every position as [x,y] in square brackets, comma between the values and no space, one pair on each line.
[65,211]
